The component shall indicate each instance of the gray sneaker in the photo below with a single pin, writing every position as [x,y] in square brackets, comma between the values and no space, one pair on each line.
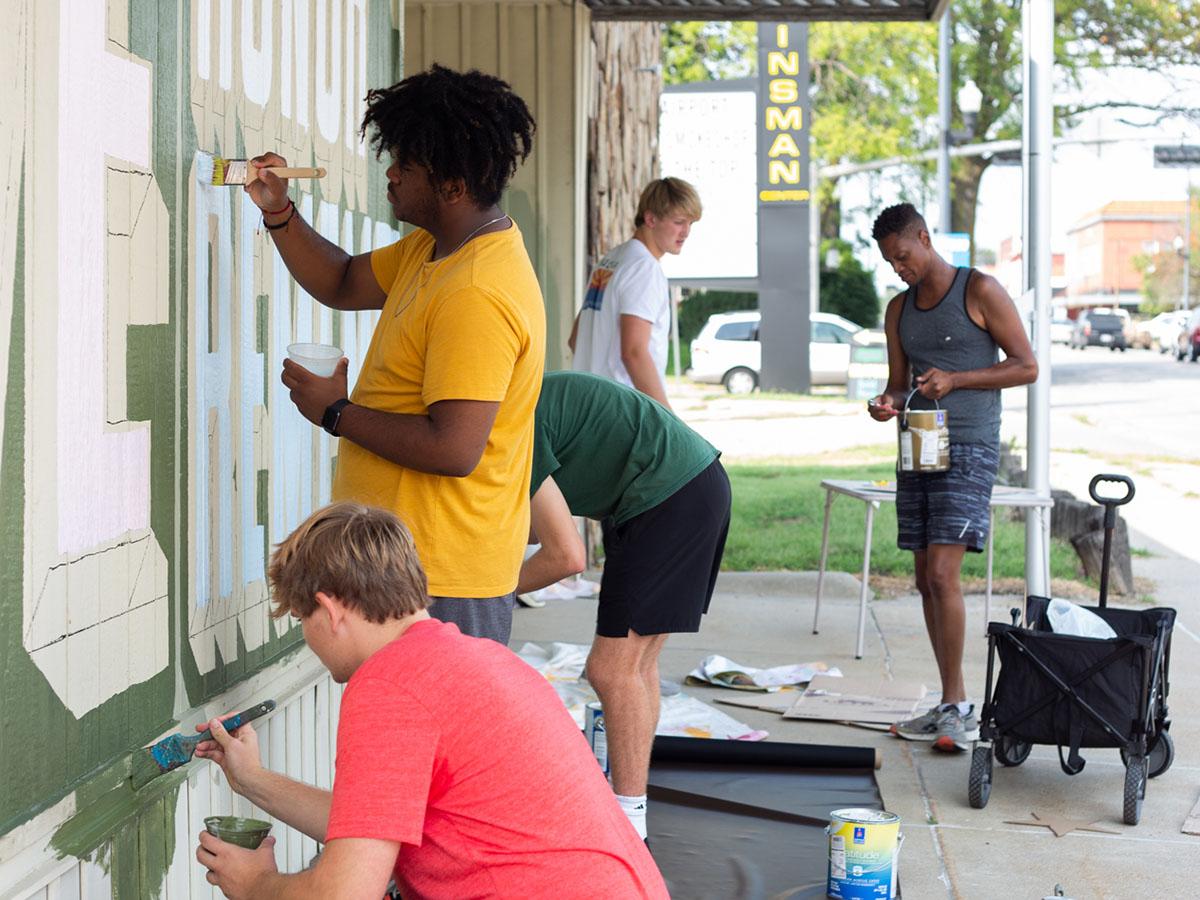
[940,723]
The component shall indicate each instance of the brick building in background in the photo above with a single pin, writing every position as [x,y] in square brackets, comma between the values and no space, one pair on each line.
[1102,245]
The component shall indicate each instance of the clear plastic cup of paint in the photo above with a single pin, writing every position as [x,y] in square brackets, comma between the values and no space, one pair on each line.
[320,359]
[248,833]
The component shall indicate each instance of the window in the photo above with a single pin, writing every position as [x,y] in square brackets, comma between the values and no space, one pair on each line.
[827,333]
[738,331]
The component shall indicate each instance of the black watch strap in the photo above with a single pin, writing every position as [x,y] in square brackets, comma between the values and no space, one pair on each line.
[333,415]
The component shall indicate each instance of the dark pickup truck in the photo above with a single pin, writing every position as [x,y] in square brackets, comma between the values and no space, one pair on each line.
[1099,329]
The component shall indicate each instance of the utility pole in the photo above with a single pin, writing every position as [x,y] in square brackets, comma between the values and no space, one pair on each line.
[945,82]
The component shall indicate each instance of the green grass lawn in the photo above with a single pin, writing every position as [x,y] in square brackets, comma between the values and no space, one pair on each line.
[776,524]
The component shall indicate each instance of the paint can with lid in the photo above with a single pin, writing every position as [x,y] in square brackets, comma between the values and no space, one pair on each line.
[597,738]
[864,849]
[924,436]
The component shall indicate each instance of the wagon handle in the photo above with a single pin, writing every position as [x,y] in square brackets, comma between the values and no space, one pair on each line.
[1110,505]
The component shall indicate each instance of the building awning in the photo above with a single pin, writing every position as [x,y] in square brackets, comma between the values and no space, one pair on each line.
[768,10]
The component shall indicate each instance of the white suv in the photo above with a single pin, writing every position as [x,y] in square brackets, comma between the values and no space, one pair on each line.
[727,350]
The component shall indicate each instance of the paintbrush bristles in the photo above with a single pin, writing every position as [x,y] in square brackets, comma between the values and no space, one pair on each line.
[230,171]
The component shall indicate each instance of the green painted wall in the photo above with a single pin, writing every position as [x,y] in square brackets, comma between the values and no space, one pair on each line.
[106,636]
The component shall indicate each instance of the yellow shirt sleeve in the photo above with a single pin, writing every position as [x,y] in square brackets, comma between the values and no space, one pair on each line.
[385,265]
[474,343]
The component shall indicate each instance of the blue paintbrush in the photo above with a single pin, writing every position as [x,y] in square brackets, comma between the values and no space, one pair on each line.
[172,752]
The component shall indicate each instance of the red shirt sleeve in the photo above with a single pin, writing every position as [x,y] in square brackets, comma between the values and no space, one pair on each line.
[386,746]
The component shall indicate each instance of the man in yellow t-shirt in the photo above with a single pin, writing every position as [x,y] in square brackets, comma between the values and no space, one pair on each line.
[439,427]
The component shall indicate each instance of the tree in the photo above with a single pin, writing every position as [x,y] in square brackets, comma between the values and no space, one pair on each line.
[1162,272]
[848,289]
[876,84]
[708,51]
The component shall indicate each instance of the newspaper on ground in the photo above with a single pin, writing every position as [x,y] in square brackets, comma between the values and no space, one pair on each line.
[680,714]
[723,672]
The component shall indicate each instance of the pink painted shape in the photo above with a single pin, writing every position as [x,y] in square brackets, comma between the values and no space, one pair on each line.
[104,108]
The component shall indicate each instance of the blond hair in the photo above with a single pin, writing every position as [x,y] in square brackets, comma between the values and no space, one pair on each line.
[665,196]
[360,554]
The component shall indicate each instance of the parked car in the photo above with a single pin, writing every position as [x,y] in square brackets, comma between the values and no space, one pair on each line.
[1187,345]
[1162,332]
[1060,330]
[1100,327]
[727,350]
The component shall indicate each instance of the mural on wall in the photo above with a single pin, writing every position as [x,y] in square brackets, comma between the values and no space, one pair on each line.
[149,456]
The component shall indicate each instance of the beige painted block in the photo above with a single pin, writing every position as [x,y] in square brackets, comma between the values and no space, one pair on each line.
[162,628]
[83,681]
[46,620]
[52,663]
[117,184]
[83,593]
[254,625]
[113,580]
[225,632]
[143,642]
[149,254]
[204,649]
[159,567]
[140,571]
[117,26]
[114,654]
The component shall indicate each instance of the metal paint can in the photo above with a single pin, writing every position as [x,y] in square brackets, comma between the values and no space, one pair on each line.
[597,737]
[924,436]
[864,849]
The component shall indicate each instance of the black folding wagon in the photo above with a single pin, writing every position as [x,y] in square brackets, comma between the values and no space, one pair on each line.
[1079,692]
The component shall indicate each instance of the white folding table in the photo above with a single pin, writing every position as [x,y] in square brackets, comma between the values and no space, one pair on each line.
[872,494]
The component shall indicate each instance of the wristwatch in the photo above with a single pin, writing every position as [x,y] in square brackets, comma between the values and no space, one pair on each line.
[333,415]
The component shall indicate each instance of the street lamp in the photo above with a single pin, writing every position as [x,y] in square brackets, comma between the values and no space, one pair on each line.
[970,102]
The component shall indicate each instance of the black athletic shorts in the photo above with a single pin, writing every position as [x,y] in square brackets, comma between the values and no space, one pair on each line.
[660,567]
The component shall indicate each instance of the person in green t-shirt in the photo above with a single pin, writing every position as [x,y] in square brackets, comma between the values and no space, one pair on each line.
[608,452]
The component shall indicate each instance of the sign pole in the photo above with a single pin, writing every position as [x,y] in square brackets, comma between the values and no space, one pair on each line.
[783,206]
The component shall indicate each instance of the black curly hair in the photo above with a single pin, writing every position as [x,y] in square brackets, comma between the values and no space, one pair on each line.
[464,125]
[899,219]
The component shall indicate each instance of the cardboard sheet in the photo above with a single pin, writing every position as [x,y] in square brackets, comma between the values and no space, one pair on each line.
[858,699]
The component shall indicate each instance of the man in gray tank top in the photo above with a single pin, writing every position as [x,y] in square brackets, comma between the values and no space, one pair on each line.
[944,335]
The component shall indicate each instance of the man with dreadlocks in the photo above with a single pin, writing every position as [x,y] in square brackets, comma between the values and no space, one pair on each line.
[439,427]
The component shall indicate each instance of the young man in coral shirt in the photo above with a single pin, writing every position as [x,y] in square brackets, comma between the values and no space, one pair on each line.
[421,795]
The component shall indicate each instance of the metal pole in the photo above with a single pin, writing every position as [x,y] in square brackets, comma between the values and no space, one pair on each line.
[814,242]
[1187,243]
[945,81]
[1038,36]
[676,299]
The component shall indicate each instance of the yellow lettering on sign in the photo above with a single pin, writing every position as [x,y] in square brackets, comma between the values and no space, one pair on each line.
[781,35]
[783,145]
[779,63]
[791,119]
[779,171]
[782,196]
[783,91]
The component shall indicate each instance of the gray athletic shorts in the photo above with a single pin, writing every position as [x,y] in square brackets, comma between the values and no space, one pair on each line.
[485,617]
[950,507]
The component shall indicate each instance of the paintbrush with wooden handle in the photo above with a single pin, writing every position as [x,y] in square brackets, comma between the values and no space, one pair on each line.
[225,172]
[172,752]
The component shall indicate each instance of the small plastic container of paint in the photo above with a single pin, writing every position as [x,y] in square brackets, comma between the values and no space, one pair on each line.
[248,833]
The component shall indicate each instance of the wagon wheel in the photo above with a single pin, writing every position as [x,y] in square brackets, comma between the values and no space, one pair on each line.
[1160,755]
[979,787]
[1010,751]
[1135,789]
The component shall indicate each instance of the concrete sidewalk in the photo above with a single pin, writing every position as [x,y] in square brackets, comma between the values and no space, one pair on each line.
[951,850]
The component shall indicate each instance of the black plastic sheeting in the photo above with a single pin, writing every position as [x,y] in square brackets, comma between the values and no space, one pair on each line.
[739,820]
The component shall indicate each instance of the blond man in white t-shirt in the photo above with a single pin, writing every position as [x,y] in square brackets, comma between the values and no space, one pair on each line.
[622,330]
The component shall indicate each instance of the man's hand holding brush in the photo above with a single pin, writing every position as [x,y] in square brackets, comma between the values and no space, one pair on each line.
[268,191]
[237,754]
